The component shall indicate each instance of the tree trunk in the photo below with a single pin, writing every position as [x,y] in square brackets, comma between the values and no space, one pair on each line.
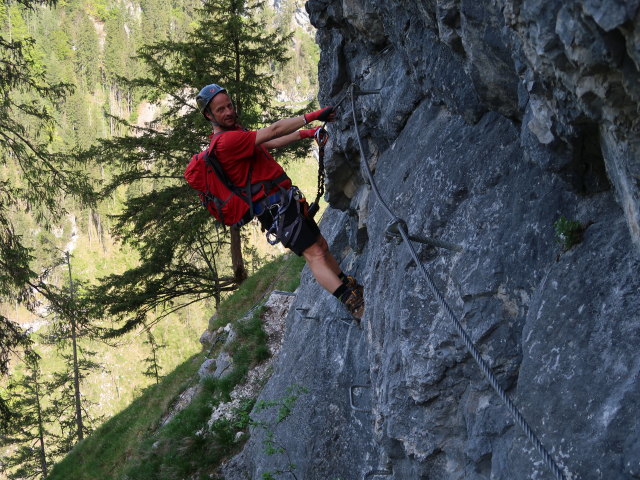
[42,452]
[89,225]
[237,262]
[216,294]
[76,369]
[236,45]
[76,381]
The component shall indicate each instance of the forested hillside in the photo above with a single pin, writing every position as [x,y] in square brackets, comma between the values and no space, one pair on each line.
[109,269]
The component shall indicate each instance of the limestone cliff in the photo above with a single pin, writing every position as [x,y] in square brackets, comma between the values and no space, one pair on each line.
[494,119]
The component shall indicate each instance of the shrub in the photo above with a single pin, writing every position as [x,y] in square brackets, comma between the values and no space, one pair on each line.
[568,232]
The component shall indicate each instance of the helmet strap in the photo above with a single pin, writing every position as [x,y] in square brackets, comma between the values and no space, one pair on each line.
[209,116]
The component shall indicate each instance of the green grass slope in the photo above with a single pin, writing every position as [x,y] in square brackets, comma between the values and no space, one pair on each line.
[106,452]
[133,445]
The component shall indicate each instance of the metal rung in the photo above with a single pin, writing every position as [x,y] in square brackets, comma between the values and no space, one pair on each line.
[358,91]
[377,473]
[288,294]
[303,314]
[351,402]
[346,320]
[392,233]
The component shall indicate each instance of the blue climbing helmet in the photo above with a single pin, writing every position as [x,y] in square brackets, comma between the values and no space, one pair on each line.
[206,95]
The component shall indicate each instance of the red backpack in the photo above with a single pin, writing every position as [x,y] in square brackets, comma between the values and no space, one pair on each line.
[228,203]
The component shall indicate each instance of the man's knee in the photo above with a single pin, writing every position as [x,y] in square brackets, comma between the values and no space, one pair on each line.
[317,250]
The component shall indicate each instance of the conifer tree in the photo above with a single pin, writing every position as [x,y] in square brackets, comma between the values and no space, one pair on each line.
[177,239]
[12,338]
[87,53]
[26,126]
[27,434]
[152,361]
[65,402]
[69,325]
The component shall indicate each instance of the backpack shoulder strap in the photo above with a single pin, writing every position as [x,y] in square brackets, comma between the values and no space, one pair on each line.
[244,193]
[211,160]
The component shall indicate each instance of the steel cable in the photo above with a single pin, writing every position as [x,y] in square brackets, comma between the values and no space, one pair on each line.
[468,342]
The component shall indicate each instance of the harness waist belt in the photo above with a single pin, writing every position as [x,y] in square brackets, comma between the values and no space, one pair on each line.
[261,205]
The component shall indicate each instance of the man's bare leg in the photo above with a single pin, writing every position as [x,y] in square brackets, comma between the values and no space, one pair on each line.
[325,269]
[323,265]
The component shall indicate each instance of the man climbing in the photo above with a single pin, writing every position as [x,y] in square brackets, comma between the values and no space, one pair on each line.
[252,174]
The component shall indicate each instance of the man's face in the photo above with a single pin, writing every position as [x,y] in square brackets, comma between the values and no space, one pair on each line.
[223,111]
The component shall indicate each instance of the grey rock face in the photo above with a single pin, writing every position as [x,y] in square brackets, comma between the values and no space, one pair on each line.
[224,363]
[208,339]
[494,120]
[207,369]
[583,68]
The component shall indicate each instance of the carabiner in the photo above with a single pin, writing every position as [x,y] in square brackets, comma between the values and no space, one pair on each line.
[321,136]
[272,238]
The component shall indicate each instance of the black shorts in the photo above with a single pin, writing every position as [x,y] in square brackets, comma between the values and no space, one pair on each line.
[309,231]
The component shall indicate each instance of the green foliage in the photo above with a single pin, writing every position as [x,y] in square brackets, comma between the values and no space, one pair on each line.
[568,232]
[178,242]
[85,41]
[63,72]
[178,269]
[247,350]
[298,77]
[284,405]
[29,431]
[283,273]
[62,391]
[152,361]
[32,178]
[13,338]
[272,446]
[134,445]
[182,451]
[116,51]
[104,455]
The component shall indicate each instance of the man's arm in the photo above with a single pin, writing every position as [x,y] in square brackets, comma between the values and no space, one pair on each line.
[287,139]
[287,126]
[281,141]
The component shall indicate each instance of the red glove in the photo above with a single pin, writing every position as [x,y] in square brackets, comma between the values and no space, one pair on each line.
[310,133]
[325,114]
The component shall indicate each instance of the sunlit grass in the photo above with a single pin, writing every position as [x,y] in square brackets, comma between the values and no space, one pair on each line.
[133,445]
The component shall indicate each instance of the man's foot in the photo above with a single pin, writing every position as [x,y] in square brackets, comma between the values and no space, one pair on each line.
[351,283]
[355,303]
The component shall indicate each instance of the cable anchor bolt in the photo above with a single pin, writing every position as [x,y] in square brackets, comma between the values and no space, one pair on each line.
[393,230]
[393,233]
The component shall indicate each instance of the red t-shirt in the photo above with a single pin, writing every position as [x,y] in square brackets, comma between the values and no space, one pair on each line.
[236,150]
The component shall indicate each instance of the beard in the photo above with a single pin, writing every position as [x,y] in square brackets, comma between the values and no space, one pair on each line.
[228,122]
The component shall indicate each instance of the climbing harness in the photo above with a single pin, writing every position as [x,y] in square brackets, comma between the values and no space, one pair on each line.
[401,228]
[280,232]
